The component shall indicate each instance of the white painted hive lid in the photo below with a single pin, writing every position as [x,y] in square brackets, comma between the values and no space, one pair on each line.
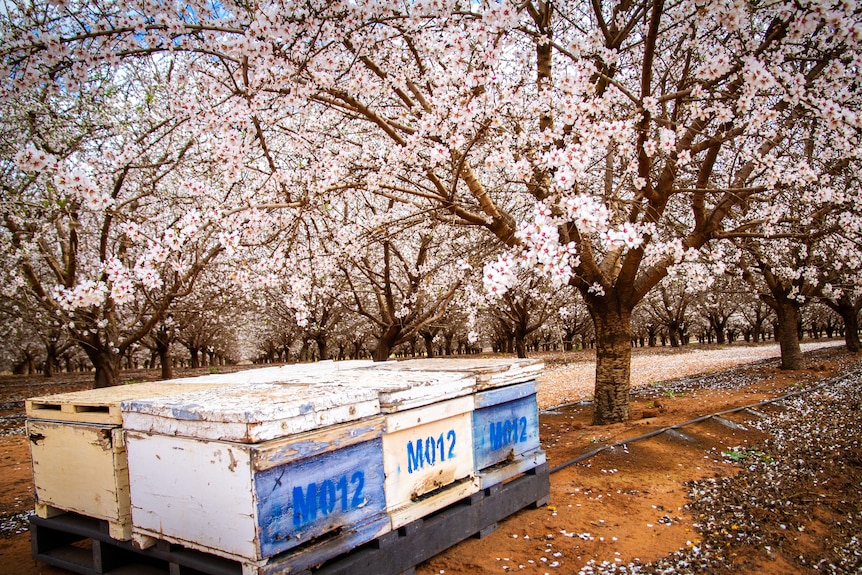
[252,412]
[400,390]
[488,371]
[292,373]
[102,405]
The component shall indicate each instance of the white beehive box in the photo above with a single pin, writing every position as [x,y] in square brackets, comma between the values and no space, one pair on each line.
[429,455]
[428,458]
[253,470]
[251,502]
[78,452]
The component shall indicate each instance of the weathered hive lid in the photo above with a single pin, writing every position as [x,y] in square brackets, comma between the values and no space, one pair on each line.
[488,371]
[282,373]
[250,412]
[399,390]
[101,406]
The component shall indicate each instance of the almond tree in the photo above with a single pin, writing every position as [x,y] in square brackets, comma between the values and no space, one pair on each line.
[522,310]
[668,305]
[123,181]
[401,278]
[92,237]
[803,246]
[839,262]
[601,142]
[719,304]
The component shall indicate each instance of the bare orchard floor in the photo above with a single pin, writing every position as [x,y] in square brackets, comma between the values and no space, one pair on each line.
[773,491]
[571,377]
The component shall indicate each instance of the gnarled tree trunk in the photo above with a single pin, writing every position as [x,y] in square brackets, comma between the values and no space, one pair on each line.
[165,360]
[107,366]
[613,361]
[850,315]
[385,342]
[788,333]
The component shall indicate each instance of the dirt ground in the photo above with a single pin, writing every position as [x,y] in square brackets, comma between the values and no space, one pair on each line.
[628,505]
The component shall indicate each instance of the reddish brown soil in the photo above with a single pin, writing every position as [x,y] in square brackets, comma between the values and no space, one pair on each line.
[627,504]
[624,504]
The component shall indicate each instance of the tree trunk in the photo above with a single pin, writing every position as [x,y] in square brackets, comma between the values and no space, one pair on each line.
[613,362]
[385,343]
[719,334]
[673,333]
[520,346]
[50,362]
[850,315]
[322,347]
[195,357]
[429,344]
[788,334]
[165,360]
[107,366]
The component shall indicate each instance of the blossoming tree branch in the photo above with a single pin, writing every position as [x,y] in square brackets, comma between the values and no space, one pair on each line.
[602,145]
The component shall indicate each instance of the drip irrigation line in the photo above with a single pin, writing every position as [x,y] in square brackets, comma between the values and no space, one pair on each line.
[703,418]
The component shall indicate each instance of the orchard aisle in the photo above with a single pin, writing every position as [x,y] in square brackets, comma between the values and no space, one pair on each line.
[570,382]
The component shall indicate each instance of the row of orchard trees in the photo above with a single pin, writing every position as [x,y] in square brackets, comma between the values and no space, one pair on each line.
[304,152]
[536,320]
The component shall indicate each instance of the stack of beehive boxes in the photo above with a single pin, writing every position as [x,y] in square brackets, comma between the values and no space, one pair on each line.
[293,466]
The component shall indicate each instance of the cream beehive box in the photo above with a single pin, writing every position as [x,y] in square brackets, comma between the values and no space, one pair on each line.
[78,451]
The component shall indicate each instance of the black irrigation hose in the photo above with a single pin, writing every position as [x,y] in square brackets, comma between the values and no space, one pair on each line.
[655,432]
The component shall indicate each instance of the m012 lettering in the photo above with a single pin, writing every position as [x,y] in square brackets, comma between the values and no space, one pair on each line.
[327,497]
[430,450]
[508,432]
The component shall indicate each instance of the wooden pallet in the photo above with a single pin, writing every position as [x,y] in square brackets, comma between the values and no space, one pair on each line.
[58,541]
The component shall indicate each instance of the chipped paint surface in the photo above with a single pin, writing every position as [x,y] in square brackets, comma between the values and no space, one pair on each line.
[80,467]
[507,424]
[253,501]
[250,413]
[299,501]
[426,449]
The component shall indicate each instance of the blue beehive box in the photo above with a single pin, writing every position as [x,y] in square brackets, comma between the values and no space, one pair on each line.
[506,432]
[252,471]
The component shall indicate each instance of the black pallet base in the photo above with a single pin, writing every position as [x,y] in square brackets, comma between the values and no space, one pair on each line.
[57,541]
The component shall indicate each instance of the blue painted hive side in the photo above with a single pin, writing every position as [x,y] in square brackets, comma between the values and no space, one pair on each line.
[505,424]
[304,499]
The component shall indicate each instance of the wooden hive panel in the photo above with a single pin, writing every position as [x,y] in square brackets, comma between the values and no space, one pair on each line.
[505,424]
[81,468]
[428,458]
[252,502]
